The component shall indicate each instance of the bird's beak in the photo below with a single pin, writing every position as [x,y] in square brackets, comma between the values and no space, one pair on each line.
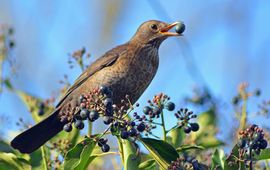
[165,30]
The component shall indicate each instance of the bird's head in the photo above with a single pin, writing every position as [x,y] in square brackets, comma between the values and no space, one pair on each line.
[155,32]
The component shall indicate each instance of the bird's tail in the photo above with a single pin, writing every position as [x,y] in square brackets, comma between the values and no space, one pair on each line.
[31,139]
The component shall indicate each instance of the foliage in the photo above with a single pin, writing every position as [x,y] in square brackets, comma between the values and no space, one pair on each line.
[191,143]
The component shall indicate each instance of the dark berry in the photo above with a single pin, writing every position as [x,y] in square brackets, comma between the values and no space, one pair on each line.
[105,148]
[108,102]
[258,136]
[253,145]
[147,110]
[187,129]
[67,127]
[107,120]
[263,144]
[93,115]
[180,27]
[79,124]
[106,91]
[132,132]
[235,100]
[141,127]
[41,112]
[41,105]
[156,111]
[102,141]
[109,111]
[257,92]
[257,151]
[81,98]
[241,143]
[84,114]
[124,134]
[116,124]
[194,127]
[193,116]
[132,123]
[170,106]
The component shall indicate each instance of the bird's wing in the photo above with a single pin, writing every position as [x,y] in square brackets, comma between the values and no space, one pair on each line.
[106,60]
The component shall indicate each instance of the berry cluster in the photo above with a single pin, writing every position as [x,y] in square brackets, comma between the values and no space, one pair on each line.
[78,57]
[61,146]
[91,106]
[155,108]
[251,141]
[103,144]
[99,104]
[157,105]
[184,163]
[184,116]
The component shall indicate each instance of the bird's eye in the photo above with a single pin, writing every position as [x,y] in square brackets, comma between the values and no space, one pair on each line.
[154,27]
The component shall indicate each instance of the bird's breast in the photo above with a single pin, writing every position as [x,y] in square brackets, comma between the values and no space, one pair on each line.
[130,75]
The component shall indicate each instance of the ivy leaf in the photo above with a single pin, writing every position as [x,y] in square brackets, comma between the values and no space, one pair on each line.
[188,147]
[176,136]
[11,161]
[206,136]
[264,155]
[230,162]
[5,147]
[148,165]
[218,159]
[128,152]
[209,142]
[161,151]
[79,157]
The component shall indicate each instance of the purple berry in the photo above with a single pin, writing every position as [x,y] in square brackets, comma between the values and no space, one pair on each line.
[105,148]
[170,106]
[141,127]
[67,127]
[124,135]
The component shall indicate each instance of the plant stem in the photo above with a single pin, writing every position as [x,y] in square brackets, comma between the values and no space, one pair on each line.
[266,164]
[163,126]
[250,157]
[44,158]
[243,120]
[106,153]
[121,150]
[90,125]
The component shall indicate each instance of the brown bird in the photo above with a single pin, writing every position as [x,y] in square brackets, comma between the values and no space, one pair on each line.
[126,69]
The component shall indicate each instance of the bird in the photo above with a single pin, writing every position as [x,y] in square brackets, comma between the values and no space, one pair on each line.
[127,69]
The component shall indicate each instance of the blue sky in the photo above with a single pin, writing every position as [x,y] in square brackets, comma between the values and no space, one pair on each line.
[229,41]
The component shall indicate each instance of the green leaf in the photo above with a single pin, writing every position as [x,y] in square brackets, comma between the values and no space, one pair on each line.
[148,165]
[128,154]
[209,142]
[188,147]
[11,161]
[79,157]
[8,84]
[176,136]
[230,163]
[218,159]
[264,155]
[207,118]
[161,151]
[5,147]
[207,122]
[36,160]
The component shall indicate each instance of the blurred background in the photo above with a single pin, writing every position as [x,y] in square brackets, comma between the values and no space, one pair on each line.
[225,43]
